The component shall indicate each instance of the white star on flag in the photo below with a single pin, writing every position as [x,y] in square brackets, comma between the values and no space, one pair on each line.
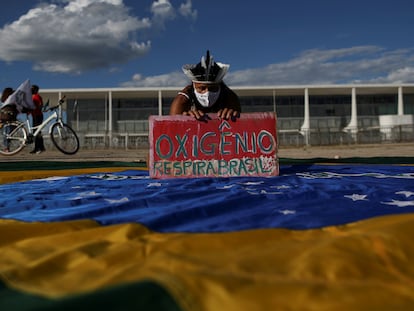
[154,184]
[116,201]
[406,193]
[287,212]
[280,187]
[400,203]
[356,197]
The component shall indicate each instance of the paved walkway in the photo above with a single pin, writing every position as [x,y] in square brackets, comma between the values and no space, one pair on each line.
[331,152]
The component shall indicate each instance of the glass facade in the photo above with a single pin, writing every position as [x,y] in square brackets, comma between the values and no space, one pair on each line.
[374,105]
[409,104]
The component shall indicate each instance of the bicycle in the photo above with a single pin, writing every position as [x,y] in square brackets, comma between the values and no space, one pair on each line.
[15,135]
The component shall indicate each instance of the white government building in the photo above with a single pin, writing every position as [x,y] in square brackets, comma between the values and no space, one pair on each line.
[306,114]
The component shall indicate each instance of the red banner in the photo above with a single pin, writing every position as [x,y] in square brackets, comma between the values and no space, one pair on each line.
[181,146]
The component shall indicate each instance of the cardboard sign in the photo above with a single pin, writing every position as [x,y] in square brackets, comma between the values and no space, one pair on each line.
[181,146]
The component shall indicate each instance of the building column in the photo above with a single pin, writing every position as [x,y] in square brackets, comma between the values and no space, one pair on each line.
[353,123]
[110,118]
[400,101]
[274,107]
[159,102]
[305,128]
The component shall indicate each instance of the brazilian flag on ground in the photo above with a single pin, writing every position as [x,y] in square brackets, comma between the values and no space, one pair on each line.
[324,235]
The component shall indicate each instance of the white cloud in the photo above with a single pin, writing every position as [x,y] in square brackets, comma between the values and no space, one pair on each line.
[171,79]
[363,64]
[73,36]
[163,11]
[400,75]
[360,64]
[316,67]
[75,6]
[186,9]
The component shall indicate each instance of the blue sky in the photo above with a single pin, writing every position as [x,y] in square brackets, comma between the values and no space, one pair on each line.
[115,43]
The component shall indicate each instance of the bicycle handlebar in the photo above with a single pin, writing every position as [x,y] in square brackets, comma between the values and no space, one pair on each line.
[60,102]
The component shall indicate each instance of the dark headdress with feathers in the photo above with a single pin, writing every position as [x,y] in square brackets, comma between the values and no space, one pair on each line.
[206,71]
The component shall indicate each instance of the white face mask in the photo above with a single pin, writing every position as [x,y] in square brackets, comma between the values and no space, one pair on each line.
[208,98]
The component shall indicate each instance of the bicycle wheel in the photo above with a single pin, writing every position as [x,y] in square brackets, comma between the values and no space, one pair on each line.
[13,136]
[64,138]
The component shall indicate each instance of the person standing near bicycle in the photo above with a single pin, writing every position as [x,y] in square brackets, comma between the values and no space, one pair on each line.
[7,113]
[37,119]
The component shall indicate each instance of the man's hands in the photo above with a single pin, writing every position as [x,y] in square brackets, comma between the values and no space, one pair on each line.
[226,114]
[198,114]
